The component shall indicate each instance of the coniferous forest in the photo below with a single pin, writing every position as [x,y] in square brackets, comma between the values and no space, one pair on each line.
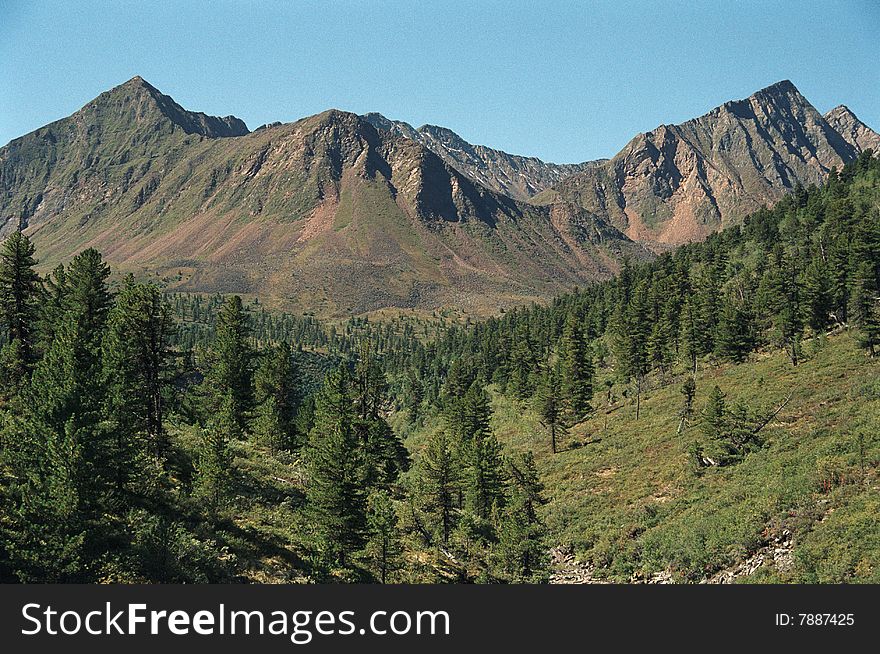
[153,437]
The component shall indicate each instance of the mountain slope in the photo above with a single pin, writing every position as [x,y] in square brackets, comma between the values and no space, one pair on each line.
[854,131]
[678,183]
[623,498]
[324,214]
[513,175]
[124,139]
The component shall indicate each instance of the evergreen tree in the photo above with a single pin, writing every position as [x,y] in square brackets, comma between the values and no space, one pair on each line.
[336,494]
[384,549]
[214,469]
[818,298]
[136,370]
[229,375]
[733,337]
[521,551]
[576,371]
[865,303]
[385,455]
[549,405]
[44,532]
[19,290]
[630,336]
[484,475]
[276,395]
[693,338]
[439,475]
[689,391]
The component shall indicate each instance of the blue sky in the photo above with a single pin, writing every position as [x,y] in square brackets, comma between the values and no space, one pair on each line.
[565,81]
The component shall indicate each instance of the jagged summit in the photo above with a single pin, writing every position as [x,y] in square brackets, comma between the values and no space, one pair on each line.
[678,183]
[137,89]
[516,176]
[853,130]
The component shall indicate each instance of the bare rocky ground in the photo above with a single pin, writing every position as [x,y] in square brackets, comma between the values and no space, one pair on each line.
[777,552]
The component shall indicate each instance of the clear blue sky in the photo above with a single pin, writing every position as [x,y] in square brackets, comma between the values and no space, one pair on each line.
[565,81]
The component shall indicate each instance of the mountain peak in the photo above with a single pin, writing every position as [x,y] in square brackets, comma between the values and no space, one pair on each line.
[140,92]
[138,81]
[853,130]
[678,183]
[782,86]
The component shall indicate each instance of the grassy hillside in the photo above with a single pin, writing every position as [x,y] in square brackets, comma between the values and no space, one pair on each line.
[626,498]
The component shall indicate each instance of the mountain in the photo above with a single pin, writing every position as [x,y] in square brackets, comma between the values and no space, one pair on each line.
[326,214]
[678,183]
[512,175]
[854,131]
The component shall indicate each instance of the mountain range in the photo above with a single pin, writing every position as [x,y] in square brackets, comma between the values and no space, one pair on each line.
[343,214]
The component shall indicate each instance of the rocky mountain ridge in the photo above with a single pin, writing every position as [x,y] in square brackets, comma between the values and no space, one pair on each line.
[679,183]
[513,175]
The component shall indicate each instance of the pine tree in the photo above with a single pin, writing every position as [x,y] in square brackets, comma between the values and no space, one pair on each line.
[521,551]
[336,494]
[865,303]
[689,391]
[384,452]
[484,475]
[521,366]
[44,533]
[714,423]
[467,416]
[136,369]
[229,363]
[213,483]
[693,338]
[549,405]
[14,371]
[19,290]
[276,397]
[576,371]
[384,549]
[439,475]
[630,336]
[818,295]
[733,335]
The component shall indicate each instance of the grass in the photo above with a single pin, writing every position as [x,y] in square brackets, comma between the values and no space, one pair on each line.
[627,498]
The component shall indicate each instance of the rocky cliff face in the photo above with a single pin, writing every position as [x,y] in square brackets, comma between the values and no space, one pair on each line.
[854,131]
[513,175]
[326,214]
[678,183]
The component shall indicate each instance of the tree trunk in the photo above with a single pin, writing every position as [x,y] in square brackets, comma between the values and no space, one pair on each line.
[638,396]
